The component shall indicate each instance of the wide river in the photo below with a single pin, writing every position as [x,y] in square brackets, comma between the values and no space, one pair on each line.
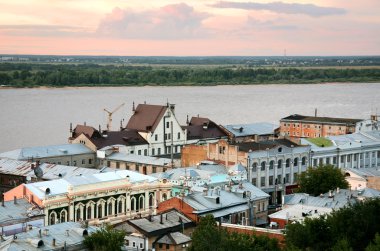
[32,117]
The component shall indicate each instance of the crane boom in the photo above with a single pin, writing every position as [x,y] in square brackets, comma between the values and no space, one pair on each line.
[109,123]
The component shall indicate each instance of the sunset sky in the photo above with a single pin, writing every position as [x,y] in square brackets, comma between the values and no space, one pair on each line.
[190,28]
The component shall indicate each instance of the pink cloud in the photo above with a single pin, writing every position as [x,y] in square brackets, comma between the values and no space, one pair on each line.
[176,21]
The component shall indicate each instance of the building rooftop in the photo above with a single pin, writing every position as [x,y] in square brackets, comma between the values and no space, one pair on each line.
[161,223]
[327,120]
[61,186]
[134,158]
[203,128]
[175,238]
[50,171]
[263,145]
[365,172]
[69,234]
[298,212]
[256,193]
[146,117]
[37,152]
[242,130]
[21,211]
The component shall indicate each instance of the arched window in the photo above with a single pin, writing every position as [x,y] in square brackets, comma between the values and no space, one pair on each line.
[151,200]
[254,167]
[109,207]
[141,202]
[263,166]
[89,212]
[63,216]
[304,161]
[52,218]
[271,165]
[296,162]
[120,207]
[287,163]
[78,214]
[100,211]
[133,204]
[279,164]
[164,197]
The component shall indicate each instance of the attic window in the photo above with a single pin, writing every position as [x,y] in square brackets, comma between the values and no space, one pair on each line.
[280,149]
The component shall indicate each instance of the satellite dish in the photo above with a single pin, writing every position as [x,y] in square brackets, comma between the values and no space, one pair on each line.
[38,172]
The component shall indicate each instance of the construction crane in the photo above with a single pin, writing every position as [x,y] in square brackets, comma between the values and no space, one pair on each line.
[110,115]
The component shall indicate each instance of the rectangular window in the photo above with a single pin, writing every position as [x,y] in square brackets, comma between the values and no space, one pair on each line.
[279,179]
[159,151]
[179,136]
[126,167]
[117,164]
[108,163]
[334,160]
[83,161]
[167,124]
[355,157]
[74,163]
[153,151]
[328,161]
[315,163]
[342,159]
[59,162]
[348,158]
[139,152]
[141,245]
[167,246]
[287,178]
[68,163]
[271,180]
[145,152]
[155,137]
[133,244]
[254,181]
[90,161]
[262,181]
[154,169]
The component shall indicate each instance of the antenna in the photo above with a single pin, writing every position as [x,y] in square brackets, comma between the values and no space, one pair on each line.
[109,123]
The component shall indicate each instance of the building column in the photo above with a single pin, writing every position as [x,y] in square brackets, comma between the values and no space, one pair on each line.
[358,156]
[71,212]
[146,200]
[345,161]
[291,171]
[128,202]
[364,153]
[370,159]
[258,173]
[267,173]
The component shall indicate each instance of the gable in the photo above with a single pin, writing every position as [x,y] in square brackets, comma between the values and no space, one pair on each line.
[146,117]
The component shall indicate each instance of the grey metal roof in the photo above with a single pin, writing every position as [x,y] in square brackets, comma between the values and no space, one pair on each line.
[242,130]
[202,203]
[230,210]
[38,152]
[256,193]
[175,238]
[60,186]
[338,200]
[365,172]
[70,233]
[170,219]
[121,156]
[50,171]
[12,213]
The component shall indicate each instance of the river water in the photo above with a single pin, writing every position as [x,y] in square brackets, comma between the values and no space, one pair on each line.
[32,117]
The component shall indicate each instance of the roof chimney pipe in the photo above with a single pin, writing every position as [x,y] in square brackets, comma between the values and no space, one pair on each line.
[161,219]
[14,200]
[315,112]
[2,200]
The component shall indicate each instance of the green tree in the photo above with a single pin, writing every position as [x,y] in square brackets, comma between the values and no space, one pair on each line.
[375,244]
[206,236]
[104,239]
[321,179]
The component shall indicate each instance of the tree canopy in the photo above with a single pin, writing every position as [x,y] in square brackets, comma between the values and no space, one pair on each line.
[321,179]
[349,228]
[207,236]
[104,239]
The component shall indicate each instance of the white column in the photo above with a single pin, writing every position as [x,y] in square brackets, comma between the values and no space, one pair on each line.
[370,159]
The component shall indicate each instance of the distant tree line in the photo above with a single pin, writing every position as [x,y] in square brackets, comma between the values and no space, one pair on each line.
[59,75]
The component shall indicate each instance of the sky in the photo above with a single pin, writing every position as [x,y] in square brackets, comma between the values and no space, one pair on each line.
[190,28]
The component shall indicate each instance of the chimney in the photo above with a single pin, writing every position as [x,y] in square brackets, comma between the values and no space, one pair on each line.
[2,200]
[121,124]
[53,242]
[161,219]
[187,120]
[14,200]
[133,106]
[315,112]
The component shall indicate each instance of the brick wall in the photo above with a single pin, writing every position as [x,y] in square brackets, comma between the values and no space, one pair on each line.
[179,205]
[193,154]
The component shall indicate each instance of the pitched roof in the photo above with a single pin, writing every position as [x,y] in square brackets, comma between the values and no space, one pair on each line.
[175,238]
[302,118]
[203,128]
[89,131]
[125,137]
[146,117]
